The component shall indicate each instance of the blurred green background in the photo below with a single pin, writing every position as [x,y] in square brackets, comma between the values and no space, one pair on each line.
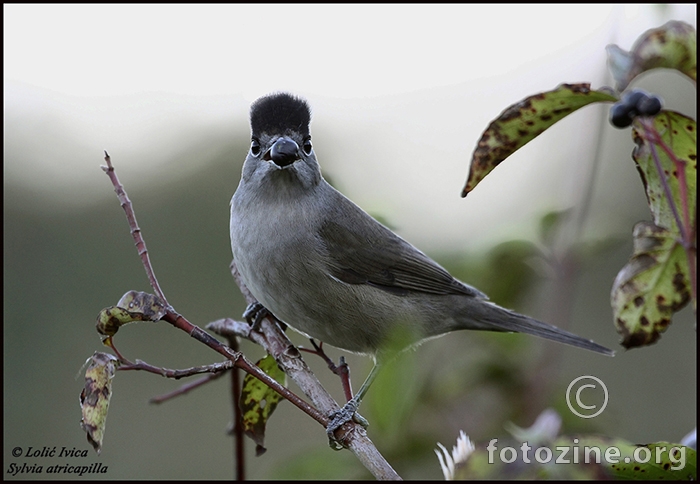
[68,254]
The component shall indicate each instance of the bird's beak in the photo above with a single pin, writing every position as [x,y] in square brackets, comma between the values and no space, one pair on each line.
[283,152]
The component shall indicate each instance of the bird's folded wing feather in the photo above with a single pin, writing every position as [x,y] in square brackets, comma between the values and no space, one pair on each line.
[382,259]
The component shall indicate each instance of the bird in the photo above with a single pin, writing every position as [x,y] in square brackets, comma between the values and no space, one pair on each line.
[323,266]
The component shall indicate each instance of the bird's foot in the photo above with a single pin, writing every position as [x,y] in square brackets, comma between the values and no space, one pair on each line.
[254,314]
[340,418]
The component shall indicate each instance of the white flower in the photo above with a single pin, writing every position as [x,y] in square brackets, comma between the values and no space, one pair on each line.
[691,440]
[543,431]
[460,454]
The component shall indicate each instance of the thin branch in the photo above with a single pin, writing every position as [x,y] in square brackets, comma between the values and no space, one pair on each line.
[133,225]
[242,362]
[230,328]
[237,428]
[177,374]
[186,388]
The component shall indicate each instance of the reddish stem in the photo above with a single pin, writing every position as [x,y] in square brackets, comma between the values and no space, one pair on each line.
[652,136]
[188,387]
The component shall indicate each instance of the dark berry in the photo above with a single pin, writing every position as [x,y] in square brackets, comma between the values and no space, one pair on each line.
[649,106]
[621,115]
[633,97]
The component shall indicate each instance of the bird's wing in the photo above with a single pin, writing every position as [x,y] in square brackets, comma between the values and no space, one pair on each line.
[382,259]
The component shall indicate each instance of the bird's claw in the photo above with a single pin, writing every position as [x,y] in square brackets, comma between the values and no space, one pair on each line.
[360,420]
[254,314]
[341,417]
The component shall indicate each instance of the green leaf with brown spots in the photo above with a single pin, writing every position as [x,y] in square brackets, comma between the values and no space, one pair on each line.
[657,461]
[524,121]
[94,399]
[673,45]
[653,285]
[133,306]
[258,401]
[679,134]
[111,319]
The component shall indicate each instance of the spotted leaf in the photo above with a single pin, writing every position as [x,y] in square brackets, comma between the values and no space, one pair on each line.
[95,397]
[524,121]
[673,45]
[679,133]
[653,285]
[258,401]
[133,306]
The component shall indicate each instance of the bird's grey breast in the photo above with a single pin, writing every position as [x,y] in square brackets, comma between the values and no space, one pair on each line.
[274,244]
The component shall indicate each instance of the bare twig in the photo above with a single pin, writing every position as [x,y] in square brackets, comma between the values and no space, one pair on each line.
[177,374]
[229,328]
[186,388]
[237,427]
[133,225]
[242,362]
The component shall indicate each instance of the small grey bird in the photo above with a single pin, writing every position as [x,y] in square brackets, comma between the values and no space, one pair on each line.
[322,265]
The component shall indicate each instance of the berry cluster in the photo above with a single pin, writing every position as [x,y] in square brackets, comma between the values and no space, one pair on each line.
[634,103]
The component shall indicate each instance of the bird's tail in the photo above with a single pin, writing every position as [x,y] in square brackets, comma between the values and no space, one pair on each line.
[495,318]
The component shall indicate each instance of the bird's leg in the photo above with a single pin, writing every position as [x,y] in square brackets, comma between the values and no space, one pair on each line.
[254,314]
[348,412]
[341,369]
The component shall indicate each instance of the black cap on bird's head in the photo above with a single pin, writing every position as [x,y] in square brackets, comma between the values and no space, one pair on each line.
[278,113]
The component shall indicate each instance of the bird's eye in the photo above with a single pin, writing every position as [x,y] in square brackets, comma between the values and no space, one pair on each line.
[308,146]
[255,147]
